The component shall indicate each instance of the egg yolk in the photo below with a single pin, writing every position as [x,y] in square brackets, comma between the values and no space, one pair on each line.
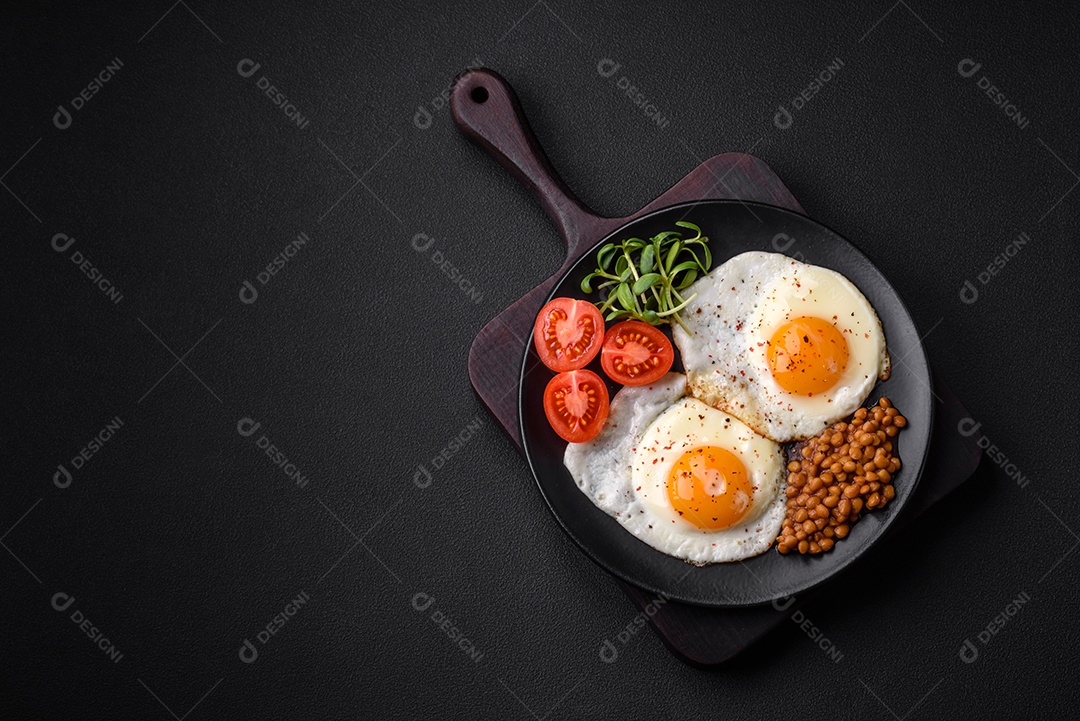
[709,487]
[807,356]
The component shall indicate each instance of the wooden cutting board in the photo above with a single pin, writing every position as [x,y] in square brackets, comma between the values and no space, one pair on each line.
[486,109]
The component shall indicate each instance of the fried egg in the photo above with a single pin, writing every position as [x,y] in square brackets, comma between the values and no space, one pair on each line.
[689,480]
[784,346]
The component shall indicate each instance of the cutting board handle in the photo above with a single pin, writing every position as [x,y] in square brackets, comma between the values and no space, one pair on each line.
[487,110]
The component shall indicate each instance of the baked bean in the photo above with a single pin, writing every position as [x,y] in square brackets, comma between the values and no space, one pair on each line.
[834,476]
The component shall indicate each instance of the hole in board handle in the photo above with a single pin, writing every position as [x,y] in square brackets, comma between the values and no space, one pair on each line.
[479,94]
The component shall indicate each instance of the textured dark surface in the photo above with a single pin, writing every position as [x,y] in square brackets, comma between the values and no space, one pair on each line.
[179,181]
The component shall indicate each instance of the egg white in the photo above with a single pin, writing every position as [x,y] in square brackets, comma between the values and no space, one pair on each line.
[739,305]
[646,423]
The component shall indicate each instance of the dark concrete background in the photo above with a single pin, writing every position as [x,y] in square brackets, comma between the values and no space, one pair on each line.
[179,180]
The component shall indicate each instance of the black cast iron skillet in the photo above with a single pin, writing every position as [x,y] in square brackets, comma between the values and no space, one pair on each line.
[735,227]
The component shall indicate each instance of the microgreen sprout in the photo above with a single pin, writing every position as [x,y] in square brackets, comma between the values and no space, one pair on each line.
[642,279]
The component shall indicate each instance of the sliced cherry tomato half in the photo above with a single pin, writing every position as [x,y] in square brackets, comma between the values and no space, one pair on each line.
[636,353]
[576,405]
[568,334]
